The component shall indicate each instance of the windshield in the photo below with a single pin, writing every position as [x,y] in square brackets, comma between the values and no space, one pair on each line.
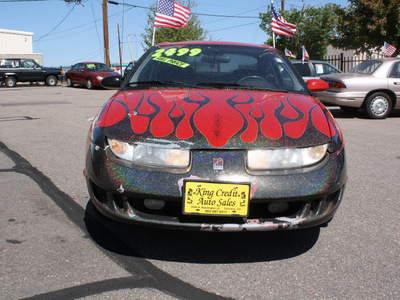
[367,67]
[215,66]
[98,68]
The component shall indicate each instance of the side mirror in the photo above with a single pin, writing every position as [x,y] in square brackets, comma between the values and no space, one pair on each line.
[317,85]
[112,82]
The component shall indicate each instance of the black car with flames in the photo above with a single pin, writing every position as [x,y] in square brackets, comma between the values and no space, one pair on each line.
[215,136]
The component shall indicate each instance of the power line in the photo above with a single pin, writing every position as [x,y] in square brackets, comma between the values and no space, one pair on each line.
[58,23]
[199,14]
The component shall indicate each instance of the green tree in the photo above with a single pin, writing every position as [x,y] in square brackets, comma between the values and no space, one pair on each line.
[367,24]
[315,27]
[193,32]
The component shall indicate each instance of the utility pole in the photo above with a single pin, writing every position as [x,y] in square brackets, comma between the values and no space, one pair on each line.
[105,34]
[283,5]
[120,53]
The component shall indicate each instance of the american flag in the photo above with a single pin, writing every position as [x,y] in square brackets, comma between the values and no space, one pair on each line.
[171,14]
[306,57]
[288,53]
[388,49]
[279,24]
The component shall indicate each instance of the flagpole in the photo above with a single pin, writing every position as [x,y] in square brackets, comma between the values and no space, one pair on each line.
[273,38]
[154,34]
[273,33]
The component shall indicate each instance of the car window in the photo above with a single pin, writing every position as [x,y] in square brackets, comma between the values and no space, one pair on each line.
[211,65]
[303,69]
[367,67]
[323,68]
[76,67]
[9,63]
[30,64]
[395,71]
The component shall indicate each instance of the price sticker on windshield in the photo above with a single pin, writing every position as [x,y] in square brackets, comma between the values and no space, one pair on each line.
[177,52]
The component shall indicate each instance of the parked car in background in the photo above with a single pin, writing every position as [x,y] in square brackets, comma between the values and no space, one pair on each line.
[128,68]
[88,73]
[314,68]
[373,85]
[215,136]
[13,70]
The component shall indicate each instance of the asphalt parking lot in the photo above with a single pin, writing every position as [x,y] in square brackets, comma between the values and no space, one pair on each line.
[54,245]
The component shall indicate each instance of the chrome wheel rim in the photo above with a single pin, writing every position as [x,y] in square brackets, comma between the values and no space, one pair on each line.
[379,106]
[52,81]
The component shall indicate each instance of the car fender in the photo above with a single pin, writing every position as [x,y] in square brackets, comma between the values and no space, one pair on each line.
[390,92]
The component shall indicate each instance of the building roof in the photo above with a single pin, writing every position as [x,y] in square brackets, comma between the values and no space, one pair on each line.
[17,32]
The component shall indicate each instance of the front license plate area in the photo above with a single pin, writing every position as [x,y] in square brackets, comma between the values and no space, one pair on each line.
[216,198]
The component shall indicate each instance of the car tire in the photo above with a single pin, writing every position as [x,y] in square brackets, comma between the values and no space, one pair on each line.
[51,80]
[69,82]
[10,81]
[349,109]
[89,84]
[378,105]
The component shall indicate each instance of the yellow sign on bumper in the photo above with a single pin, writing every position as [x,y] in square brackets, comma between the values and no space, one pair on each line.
[211,198]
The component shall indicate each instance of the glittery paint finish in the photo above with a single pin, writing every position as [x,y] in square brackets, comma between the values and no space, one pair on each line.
[217,118]
[216,124]
[324,179]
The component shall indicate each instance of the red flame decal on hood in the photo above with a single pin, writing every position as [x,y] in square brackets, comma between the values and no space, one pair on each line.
[217,114]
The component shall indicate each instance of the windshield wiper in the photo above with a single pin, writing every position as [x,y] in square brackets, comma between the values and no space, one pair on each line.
[217,84]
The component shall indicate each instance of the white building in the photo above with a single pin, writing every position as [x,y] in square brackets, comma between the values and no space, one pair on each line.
[18,44]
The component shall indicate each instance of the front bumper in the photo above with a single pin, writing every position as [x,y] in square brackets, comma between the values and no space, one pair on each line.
[118,191]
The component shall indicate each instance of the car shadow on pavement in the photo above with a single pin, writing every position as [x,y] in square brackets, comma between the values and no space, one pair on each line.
[195,246]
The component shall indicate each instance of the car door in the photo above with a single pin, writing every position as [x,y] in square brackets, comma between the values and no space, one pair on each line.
[394,81]
[75,74]
[31,70]
[82,73]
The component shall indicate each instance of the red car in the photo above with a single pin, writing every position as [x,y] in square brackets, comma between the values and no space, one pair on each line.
[88,73]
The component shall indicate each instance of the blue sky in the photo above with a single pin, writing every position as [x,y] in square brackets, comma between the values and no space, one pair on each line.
[67,33]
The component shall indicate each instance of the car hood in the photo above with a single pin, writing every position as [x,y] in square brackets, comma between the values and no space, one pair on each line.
[226,119]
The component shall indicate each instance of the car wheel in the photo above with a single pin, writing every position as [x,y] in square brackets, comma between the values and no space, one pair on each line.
[349,109]
[89,83]
[69,82]
[51,80]
[378,105]
[10,81]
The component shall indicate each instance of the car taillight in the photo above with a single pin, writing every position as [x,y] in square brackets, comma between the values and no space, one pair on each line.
[337,84]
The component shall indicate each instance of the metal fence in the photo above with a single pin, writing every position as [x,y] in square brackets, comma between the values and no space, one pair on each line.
[345,64]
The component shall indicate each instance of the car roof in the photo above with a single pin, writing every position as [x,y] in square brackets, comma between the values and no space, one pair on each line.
[89,62]
[214,43]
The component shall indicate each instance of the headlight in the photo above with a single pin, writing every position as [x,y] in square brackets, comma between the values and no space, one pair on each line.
[289,158]
[150,155]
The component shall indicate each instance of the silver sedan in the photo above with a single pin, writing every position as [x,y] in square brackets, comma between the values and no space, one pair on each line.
[373,85]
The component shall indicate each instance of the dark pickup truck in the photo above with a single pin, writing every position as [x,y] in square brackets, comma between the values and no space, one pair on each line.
[13,70]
